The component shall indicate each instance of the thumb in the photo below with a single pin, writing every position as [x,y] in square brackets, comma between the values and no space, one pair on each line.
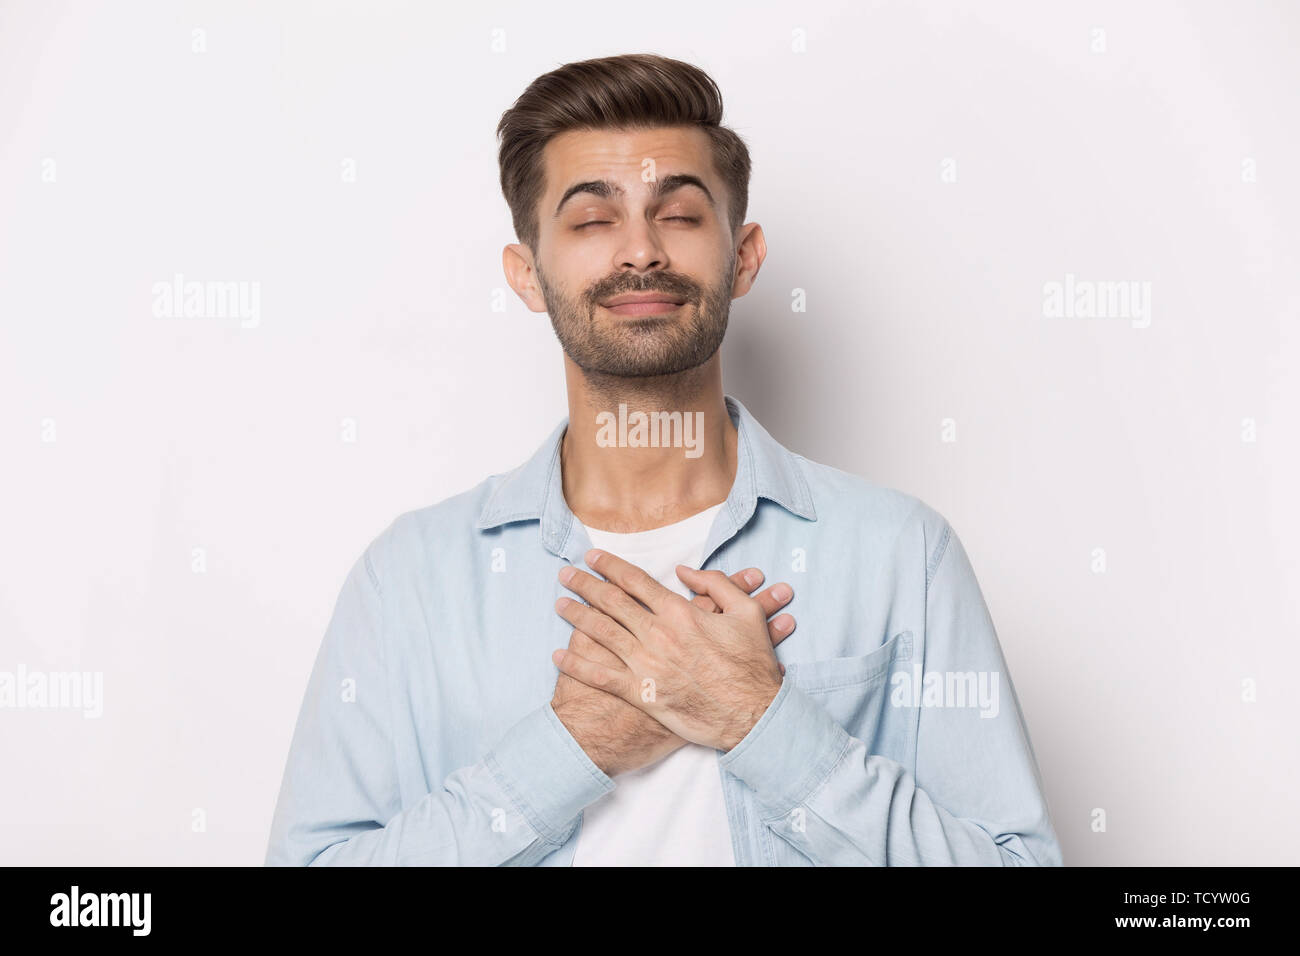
[716,585]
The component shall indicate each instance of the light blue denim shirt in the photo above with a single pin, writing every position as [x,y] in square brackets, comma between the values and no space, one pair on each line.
[426,735]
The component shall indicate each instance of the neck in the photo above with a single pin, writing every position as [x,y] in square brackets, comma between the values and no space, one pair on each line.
[668,453]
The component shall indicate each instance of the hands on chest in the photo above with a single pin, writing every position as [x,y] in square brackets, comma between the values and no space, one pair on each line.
[647,670]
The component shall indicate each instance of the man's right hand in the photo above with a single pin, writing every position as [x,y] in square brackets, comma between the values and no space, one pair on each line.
[619,737]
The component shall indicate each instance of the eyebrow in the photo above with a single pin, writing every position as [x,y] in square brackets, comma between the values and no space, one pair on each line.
[605,188]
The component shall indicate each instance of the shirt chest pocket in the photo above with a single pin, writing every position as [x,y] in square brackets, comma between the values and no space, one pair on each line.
[854,690]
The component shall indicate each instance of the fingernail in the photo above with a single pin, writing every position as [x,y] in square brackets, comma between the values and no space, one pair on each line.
[781,592]
[592,557]
[752,578]
[567,573]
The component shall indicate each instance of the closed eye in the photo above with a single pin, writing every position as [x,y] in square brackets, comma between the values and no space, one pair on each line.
[693,220]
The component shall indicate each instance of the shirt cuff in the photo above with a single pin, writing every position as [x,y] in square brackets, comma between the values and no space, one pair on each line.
[547,774]
[790,751]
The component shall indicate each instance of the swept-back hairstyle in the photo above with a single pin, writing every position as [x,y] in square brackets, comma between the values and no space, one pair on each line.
[632,91]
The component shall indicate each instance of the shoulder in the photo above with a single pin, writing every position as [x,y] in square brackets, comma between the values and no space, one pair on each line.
[888,514]
[436,535]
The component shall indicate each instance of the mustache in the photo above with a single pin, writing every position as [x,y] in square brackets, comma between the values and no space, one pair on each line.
[669,283]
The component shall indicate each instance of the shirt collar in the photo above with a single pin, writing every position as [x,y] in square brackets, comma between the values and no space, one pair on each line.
[764,469]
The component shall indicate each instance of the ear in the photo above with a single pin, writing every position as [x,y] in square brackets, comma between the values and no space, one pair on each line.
[517,261]
[751,250]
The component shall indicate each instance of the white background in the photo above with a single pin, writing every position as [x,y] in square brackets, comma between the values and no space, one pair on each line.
[925,303]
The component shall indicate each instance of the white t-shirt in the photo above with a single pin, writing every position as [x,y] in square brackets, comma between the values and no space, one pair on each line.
[672,812]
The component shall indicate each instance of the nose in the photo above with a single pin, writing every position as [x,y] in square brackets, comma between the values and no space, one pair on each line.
[640,250]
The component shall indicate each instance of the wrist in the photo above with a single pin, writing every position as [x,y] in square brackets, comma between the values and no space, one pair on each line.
[749,715]
[596,754]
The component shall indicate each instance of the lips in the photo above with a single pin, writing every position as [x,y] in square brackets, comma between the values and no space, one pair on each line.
[643,298]
[642,304]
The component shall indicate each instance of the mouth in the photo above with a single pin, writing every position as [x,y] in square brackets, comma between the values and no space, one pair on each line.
[643,303]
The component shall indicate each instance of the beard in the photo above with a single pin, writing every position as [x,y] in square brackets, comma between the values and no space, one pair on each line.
[611,346]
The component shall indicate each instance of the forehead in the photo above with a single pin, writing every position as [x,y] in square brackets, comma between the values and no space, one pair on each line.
[578,155]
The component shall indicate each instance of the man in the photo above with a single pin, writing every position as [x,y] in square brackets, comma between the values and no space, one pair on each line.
[679,730]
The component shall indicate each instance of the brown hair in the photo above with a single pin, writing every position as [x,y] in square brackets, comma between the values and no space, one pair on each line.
[635,90]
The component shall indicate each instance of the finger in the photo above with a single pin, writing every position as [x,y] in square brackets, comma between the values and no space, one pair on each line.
[609,598]
[716,585]
[780,628]
[705,604]
[599,627]
[631,579]
[775,598]
[741,579]
[584,646]
[771,600]
[590,673]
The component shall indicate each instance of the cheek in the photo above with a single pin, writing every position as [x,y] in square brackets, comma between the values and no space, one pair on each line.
[699,254]
[581,259]
[571,270]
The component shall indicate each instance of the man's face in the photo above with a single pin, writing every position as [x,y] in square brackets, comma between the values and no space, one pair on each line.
[635,256]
